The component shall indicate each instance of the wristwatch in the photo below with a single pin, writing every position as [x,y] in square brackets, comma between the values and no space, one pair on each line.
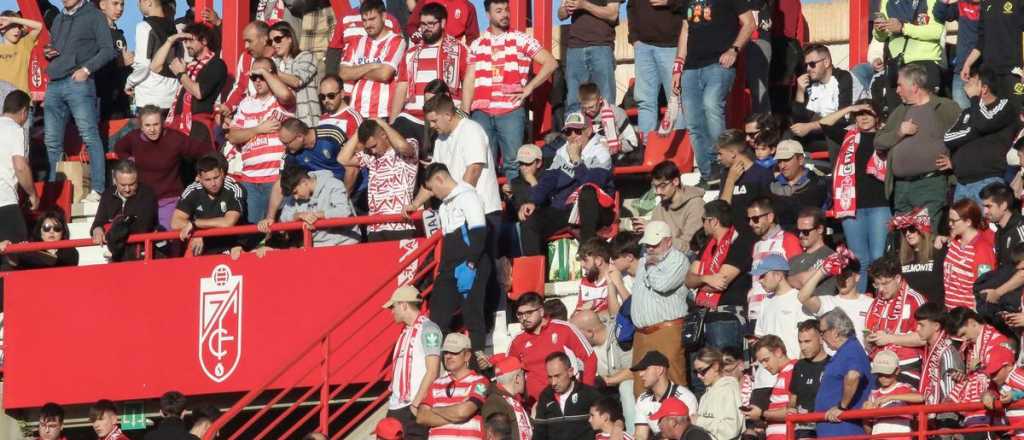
[736,49]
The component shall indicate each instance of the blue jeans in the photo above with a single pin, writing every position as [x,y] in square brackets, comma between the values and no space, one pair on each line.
[505,133]
[653,66]
[594,64]
[863,73]
[257,197]
[972,190]
[77,99]
[959,95]
[704,93]
[865,235]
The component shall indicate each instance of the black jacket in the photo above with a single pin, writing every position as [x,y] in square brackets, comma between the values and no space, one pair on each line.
[142,206]
[552,424]
[1007,237]
[980,138]
[810,190]
[170,428]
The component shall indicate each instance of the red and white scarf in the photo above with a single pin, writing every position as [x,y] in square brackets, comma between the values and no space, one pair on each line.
[711,261]
[404,352]
[931,381]
[183,122]
[893,321]
[611,135]
[275,13]
[448,67]
[844,180]
[977,382]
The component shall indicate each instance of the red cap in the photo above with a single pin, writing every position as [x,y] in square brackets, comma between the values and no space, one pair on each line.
[504,364]
[671,407]
[389,428]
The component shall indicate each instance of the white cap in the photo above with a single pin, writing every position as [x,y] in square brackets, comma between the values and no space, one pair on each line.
[655,232]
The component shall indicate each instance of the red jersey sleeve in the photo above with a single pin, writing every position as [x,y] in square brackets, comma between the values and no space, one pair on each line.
[478,391]
[579,345]
[999,355]
[395,53]
[429,398]
[984,258]
[338,39]
[403,71]
[791,245]
[242,83]
[472,28]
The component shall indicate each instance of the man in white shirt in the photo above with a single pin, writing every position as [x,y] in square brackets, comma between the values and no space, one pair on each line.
[14,167]
[417,359]
[782,310]
[846,297]
[653,369]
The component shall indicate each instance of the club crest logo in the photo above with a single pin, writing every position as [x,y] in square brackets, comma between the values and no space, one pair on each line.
[220,323]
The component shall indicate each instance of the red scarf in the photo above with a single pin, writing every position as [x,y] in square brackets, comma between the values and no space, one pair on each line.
[879,320]
[448,55]
[931,380]
[711,261]
[611,134]
[844,180]
[183,122]
[977,382]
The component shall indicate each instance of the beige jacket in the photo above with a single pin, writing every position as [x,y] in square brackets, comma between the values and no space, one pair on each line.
[719,409]
[683,214]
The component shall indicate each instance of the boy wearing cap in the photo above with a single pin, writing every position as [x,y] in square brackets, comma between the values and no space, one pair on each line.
[506,394]
[673,419]
[416,359]
[653,372]
[576,189]
[890,392]
[796,186]
[782,310]
[531,164]
[451,408]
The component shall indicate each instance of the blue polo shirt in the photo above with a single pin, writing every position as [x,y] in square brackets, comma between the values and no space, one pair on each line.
[324,154]
[850,356]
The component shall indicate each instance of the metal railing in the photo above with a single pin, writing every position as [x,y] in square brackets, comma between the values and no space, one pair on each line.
[920,413]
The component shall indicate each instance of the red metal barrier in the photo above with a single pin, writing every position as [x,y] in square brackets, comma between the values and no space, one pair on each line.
[920,412]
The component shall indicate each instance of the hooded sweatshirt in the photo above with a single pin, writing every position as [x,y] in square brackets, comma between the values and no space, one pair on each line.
[683,214]
[329,195]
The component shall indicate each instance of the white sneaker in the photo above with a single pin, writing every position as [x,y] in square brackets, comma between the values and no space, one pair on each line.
[92,197]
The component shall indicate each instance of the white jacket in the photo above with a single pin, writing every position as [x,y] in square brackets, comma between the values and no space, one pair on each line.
[719,409]
[150,87]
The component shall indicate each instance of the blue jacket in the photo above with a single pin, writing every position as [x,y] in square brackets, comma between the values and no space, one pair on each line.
[563,178]
[966,14]
[83,40]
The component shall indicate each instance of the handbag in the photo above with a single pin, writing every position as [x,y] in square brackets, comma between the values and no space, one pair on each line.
[693,328]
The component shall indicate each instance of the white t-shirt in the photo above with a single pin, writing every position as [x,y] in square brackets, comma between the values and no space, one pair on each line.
[467,145]
[856,309]
[647,405]
[12,144]
[780,314]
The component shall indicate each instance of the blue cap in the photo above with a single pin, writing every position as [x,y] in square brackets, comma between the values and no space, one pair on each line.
[769,263]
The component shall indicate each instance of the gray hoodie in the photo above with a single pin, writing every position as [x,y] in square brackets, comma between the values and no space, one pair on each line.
[83,40]
[331,197]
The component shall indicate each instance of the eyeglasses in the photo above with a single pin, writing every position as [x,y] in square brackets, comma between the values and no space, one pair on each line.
[662,184]
[52,228]
[811,64]
[255,77]
[702,371]
[523,313]
[756,218]
[278,39]
[331,95]
[805,232]
[430,23]
[954,221]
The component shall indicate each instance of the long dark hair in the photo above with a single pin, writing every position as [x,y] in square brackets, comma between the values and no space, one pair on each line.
[286,29]
[57,217]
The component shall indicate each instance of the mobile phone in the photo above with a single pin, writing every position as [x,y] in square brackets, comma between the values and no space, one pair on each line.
[746,408]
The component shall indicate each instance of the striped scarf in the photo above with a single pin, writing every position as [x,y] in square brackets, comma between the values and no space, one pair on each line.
[183,122]
[931,381]
[611,134]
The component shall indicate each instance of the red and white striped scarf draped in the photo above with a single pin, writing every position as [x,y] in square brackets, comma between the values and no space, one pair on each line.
[931,381]
[183,122]
[844,180]
[611,134]
[276,13]
[977,382]
[877,320]
[403,353]
[711,262]
[448,54]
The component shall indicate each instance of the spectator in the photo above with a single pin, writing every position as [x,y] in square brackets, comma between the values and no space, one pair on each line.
[626,255]
[821,91]
[311,196]
[681,206]
[438,56]
[745,181]
[718,411]
[297,70]
[706,57]
[858,188]
[940,356]
[531,166]
[890,392]
[203,417]
[372,62]
[346,34]
[158,154]
[554,309]
[253,134]
[506,395]
[598,292]
[770,352]
[15,171]
[609,120]
[19,37]
[389,428]
[846,382]
[49,228]
[563,406]
[256,36]
[103,417]
[613,362]
[782,308]
[212,204]
[462,22]
[335,111]
[51,422]
[452,404]
[465,266]
[890,324]
[674,421]
[128,206]
[997,206]
[763,133]
[969,255]
[391,161]
[202,80]
[921,264]
[810,228]
[653,372]
[967,15]
[160,86]
[772,241]
[542,336]
[911,33]
[578,181]
[172,408]
[498,427]
[846,296]
[989,355]
[590,46]
[996,48]
[417,359]
[654,27]
[803,388]
[980,138]
[74,54]
[605,415]
[495,88]
[912,139]
[110,80]
[796,186]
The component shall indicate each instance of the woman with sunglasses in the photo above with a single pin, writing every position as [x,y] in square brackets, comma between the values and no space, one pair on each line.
[719,409]
[921,262]
[969,254]
[298,70]
[49,228]
[858,183]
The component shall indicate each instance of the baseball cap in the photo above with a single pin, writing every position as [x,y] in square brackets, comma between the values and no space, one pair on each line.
[574,120]
[654,232]
[403,294]
[787,149]
[389,428]
[769,263]
[653,358]
[529,153]
[504,364]
[885,362]
[671,407]
[455,343]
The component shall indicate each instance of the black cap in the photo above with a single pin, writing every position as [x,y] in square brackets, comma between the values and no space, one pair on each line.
[653,358]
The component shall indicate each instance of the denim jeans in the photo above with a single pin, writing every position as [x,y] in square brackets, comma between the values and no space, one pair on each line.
[75,99]
[704,93]
[653,66]
[594,64]
[505,133]
[257,197]
[973,190]
[959,95]
[863,73]
[865,234]
[759,60]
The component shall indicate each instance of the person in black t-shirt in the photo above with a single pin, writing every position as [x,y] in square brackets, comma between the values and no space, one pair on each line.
[201,80]
[921,264]
[745,179]
[114,102]
[209,205]
[803,387]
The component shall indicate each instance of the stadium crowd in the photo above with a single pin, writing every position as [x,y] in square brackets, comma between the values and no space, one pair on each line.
[888,274]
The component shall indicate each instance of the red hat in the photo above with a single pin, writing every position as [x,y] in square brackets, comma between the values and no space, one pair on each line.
[504,364]
[671,407]
[389,428]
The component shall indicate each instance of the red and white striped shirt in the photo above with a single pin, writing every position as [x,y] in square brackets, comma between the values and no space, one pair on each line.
[608,436]
[350,28]
[446,60]
[891,424]
[965,262]
[448,391]
[779,400]
[392,181]
[263,154]
[501,64]
[896,316]
[595,293]
[346,120]
[370,98]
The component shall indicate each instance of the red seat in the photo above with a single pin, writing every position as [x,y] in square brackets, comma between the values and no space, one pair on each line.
[528,274]
[51,195]
[675,147]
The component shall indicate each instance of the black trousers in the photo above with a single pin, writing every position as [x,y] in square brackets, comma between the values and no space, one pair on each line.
[12,224]
[446,301]
[410,429]
[547,220]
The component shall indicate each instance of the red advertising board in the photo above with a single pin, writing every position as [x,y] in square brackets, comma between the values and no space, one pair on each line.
[200,325]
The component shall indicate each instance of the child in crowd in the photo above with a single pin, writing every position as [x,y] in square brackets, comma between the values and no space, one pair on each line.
[890,392]
[606,419]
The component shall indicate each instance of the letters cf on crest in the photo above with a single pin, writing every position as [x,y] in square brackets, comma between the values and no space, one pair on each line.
[220,323]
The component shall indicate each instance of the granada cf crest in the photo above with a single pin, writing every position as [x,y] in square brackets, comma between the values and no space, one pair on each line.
[220,323]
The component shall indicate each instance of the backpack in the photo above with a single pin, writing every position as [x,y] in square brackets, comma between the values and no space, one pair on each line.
[624,328]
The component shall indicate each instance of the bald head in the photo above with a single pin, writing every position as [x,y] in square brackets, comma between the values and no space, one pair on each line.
[590,325]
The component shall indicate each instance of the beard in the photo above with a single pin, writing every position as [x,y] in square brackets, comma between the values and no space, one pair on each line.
[593,274]
[433,38]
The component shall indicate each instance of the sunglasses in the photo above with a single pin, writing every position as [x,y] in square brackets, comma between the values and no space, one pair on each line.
[278,39]
[805,232]
[52,228]
[702,371]
[569,131]
[751,134]
[909,230]
[756,218]
[812,64]
[254,77]
[326,96]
